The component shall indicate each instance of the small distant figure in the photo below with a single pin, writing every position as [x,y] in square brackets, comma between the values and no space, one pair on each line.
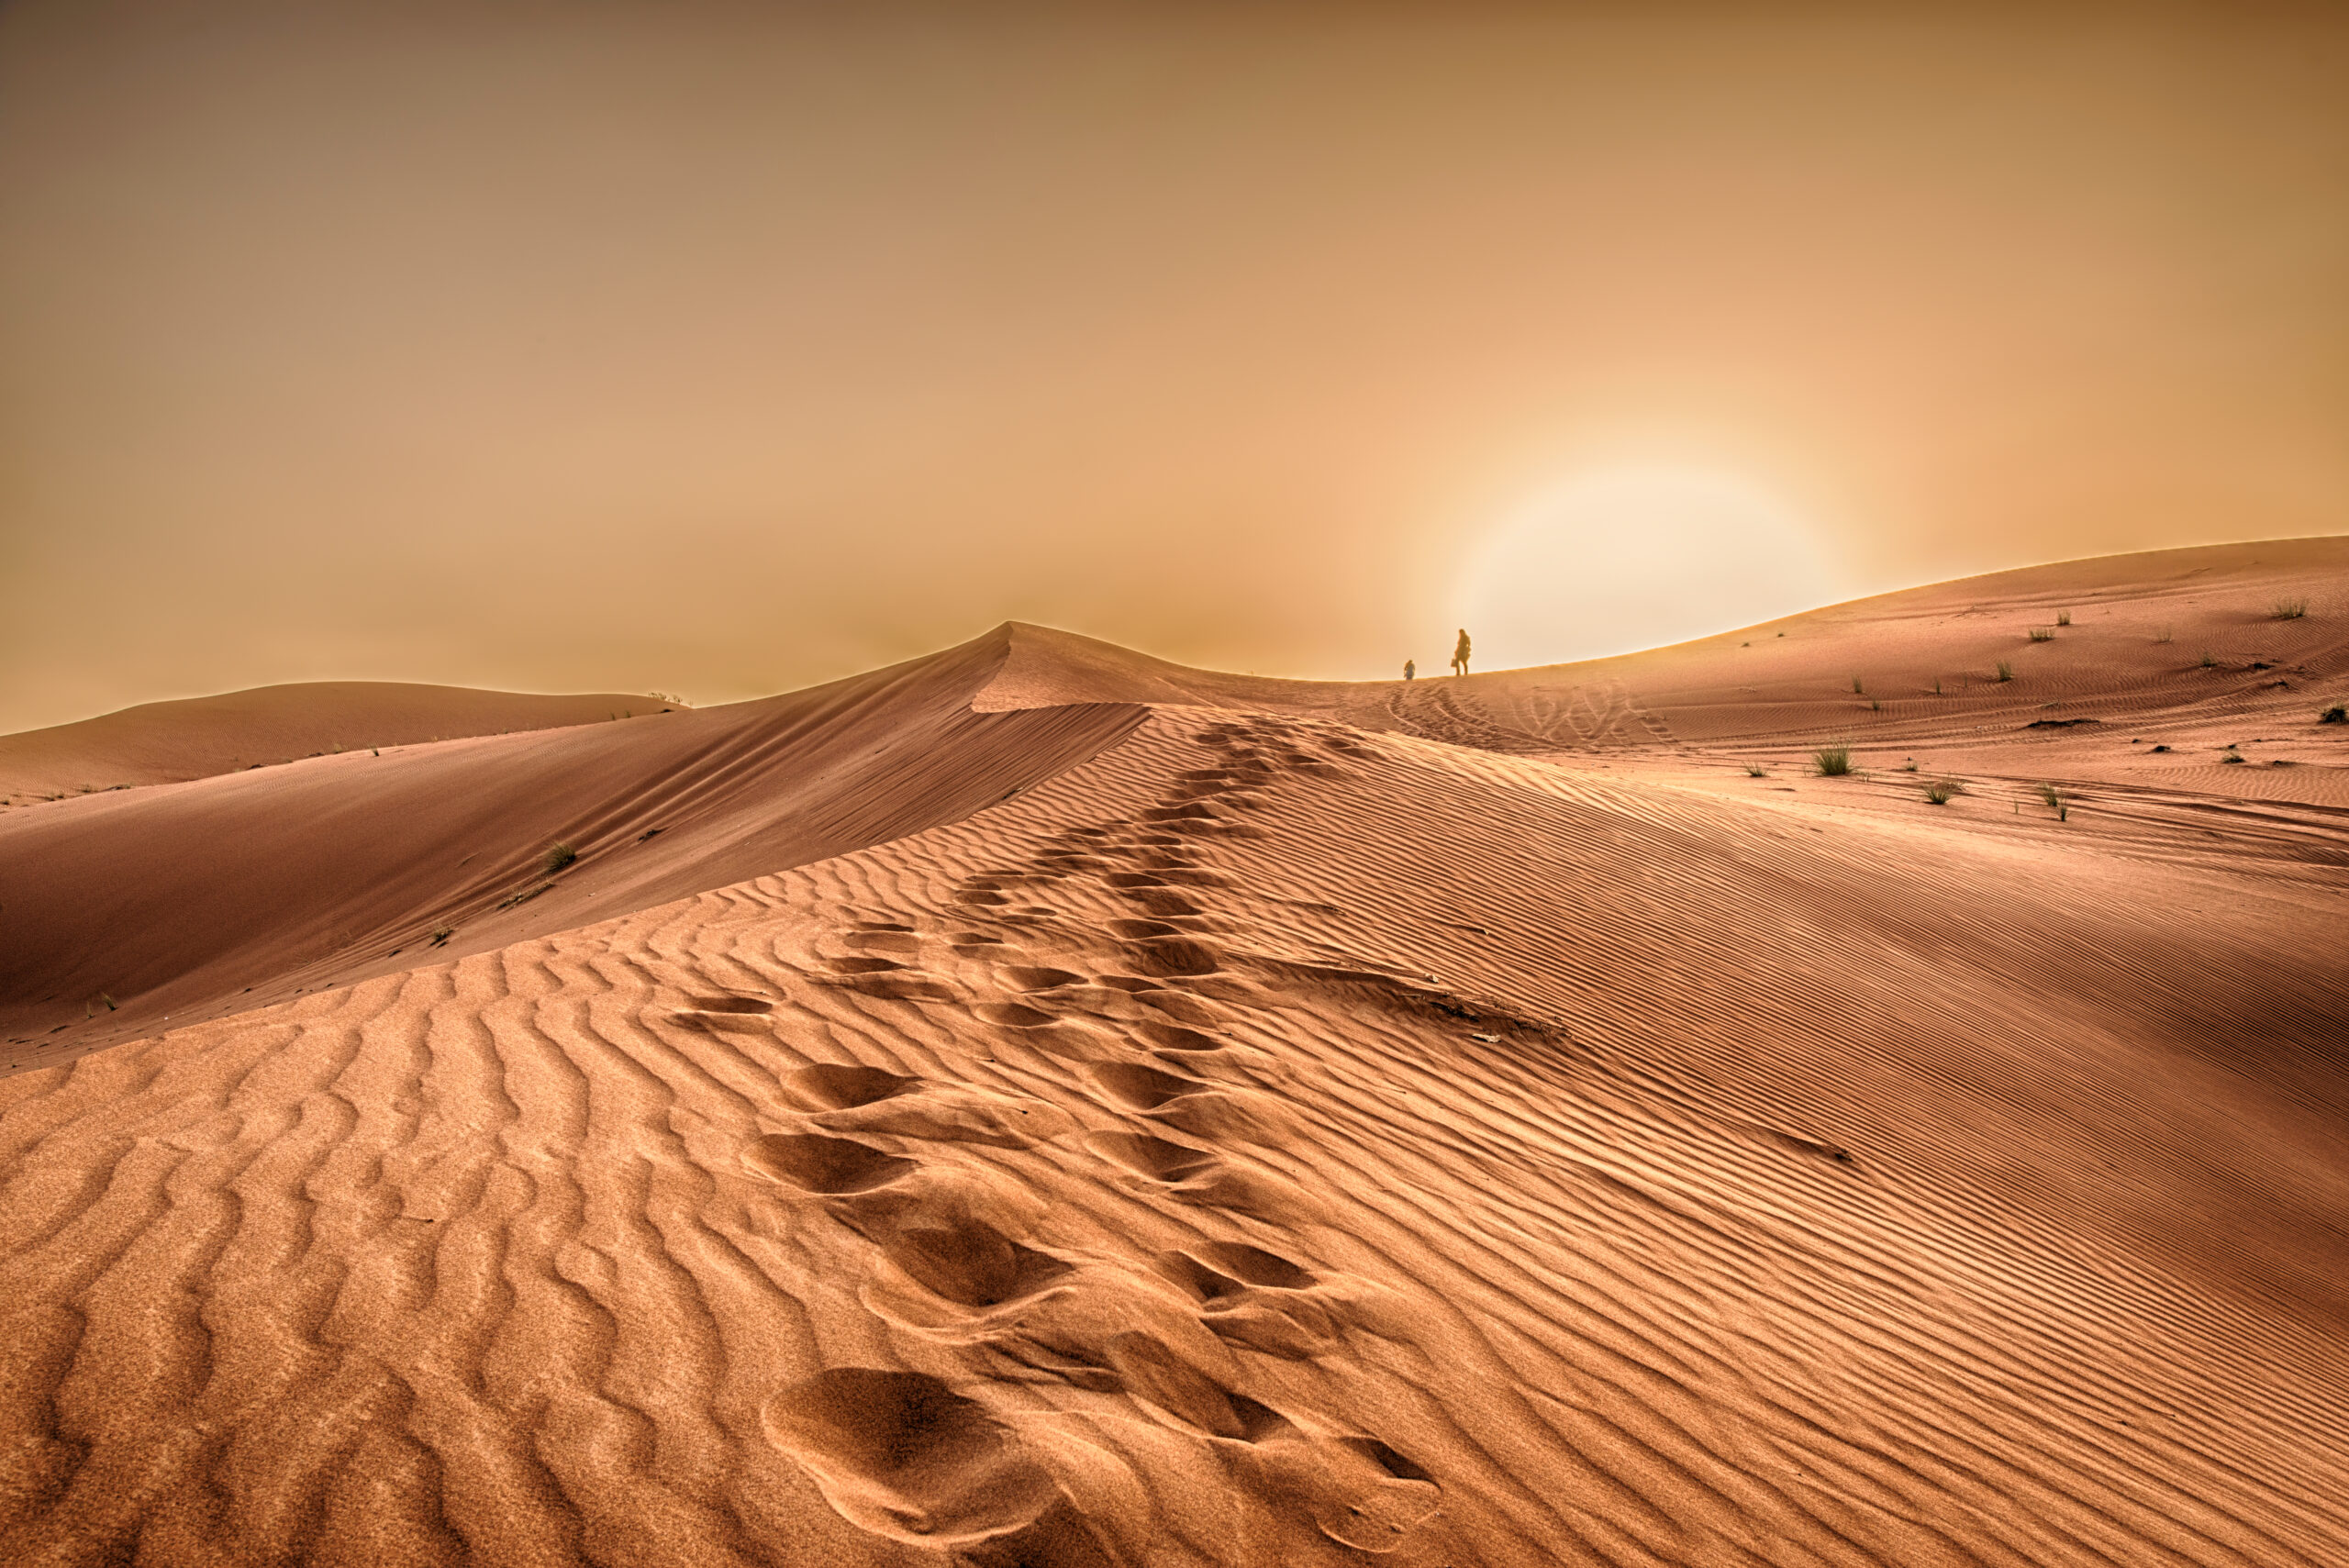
[1460,653]
[1410,670]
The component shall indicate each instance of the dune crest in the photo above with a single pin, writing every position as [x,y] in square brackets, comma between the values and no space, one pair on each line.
[1293,1127]
[167,742]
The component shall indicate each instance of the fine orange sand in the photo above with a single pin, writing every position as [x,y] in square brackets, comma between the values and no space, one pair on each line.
[1038,1106]
[160,742]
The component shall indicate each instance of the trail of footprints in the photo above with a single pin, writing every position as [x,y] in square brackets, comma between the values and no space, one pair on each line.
[1114,1347]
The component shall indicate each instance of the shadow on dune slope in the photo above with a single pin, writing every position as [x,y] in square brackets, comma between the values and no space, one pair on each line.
[192,899]
[185,900]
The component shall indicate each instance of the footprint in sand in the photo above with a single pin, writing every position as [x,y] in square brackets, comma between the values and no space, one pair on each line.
[1203,1177]
[1164,903]
[882,977]
[971,1263]
[955,1232]
[817,1162]
[1354,1488]
[1367,1496]
[1162,950]
[902,1455]
[840,1085]
[849,1100]
[1249,1297]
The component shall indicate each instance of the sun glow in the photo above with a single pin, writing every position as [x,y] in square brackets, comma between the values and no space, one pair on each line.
[1631,558]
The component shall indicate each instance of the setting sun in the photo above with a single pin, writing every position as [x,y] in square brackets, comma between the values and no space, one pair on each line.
[1159,786]
[1626,557]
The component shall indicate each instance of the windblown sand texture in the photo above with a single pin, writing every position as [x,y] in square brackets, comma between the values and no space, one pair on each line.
[1042,1107]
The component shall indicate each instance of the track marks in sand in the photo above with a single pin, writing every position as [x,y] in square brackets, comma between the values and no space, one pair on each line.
[1084,1364]
[1663,1143]
[1266,1143]
[904,1456]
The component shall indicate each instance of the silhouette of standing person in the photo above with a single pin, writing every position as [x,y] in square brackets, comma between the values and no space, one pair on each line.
[1460,654]
[1410,670]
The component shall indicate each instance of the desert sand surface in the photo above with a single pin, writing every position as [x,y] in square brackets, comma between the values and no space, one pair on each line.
[165,742]
[1040,1105]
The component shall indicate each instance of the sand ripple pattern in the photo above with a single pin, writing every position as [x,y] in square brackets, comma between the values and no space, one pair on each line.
[1264,1143]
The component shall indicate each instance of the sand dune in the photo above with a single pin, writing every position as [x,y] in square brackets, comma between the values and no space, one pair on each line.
[128,908]
[1051,1107]
[164,742]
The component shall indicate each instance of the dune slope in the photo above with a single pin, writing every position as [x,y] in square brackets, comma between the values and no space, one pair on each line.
[127,908]
[1263,1138]
[163,742]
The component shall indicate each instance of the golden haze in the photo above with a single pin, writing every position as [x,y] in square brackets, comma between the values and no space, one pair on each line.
[726,349]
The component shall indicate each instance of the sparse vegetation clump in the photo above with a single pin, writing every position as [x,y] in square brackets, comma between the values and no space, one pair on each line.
[2288,610]
[1940,792]
[2055,801]
[2005,670]
[1832,761]
[440,935]
[2042,634]
[2336,714]
[1857,688]
[557,857]
[2166,633]
[1756,771]
[2063,617]
[2209,660]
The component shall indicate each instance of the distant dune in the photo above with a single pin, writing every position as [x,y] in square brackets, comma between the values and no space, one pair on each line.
[1040,1106]
[167,742]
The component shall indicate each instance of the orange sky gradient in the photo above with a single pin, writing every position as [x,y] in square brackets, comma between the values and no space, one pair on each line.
[721,349]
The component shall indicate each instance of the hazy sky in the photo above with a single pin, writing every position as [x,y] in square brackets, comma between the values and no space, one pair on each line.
[721,350]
